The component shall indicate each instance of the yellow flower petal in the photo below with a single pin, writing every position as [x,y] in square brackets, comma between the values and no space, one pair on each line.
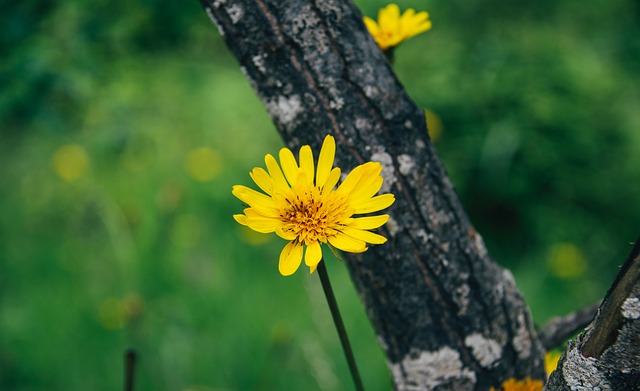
[350,181]
[368,185]
[325,161]
[313,256]
[365,236]
[263,225]
[286,235]
[388,17]
[332,180]
[369,222]
[242,219]
[375,204]
[263,203]
[262,179]
[306,163]
[347,243]
[371,25]
[289,165]
[290,258]
[276,174]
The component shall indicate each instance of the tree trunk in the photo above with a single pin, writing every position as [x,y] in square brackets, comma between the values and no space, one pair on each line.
[607,355]
[447,317]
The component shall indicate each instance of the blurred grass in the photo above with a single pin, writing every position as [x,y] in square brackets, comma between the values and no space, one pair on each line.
[124,126]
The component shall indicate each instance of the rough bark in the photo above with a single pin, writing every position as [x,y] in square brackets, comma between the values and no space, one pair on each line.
[446,315]
[606,356]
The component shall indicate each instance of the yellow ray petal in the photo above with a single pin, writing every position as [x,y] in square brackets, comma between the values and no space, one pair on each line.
[306,162]
[290,258]
[375,204]
[369,222]
[242,219]
[289,165]
[286,235]
[261,202]
[351,181]
[368,185]
[372,26]
[347,243]
[313,256]
[263,224]
[325,160]
[276,174]
[365,236]
[262,179]
[388,17]
[332,180]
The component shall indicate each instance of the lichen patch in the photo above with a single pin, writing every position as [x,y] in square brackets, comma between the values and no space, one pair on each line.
[522,339]
[235,12]
[431,369]
[581,374]
[284,109]
[487,351]
[631,308]
[406,164]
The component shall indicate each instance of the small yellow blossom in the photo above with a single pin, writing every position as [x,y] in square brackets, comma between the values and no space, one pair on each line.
[551,362]
[303,205]
[527,384]
[393,28]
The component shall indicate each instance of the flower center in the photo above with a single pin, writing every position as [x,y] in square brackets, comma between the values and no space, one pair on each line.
[313,216]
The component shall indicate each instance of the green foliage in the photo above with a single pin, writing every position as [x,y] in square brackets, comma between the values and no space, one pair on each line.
[109,239]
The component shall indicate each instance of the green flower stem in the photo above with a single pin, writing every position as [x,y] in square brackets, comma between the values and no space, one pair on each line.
[129,369]
[337,320]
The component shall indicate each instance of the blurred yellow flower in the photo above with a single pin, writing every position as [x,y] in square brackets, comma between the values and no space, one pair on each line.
[527,384]
[114,313]
[434,125]
[551,362]
[70,162]
[392,28]
[566,261]
[303,206]
[203,164]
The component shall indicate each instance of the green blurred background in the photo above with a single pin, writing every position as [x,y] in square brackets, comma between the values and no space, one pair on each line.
[124,125]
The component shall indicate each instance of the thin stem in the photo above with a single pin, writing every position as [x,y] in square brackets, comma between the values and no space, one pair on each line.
[337,320]
[129,369]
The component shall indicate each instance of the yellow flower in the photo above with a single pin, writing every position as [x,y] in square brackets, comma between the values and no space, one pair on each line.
[392,28]
[551,362]
[527,384]
[303,205]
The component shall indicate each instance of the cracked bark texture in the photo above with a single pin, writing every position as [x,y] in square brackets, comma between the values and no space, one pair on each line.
[447,317]
[606,356]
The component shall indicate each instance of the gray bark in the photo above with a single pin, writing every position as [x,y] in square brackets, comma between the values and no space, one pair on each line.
[606,356]
[446,315]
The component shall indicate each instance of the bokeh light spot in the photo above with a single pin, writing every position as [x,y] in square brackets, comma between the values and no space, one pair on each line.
[112,314]
[203,164]
[566,261]
[70,162]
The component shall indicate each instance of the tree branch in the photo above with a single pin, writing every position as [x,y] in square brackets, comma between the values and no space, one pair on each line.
[607,355]
[559,328]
